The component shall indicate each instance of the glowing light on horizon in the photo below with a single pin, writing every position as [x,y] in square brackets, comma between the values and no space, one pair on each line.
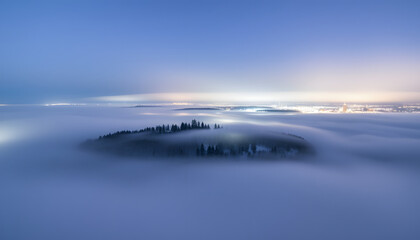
[265,97]
[64,104]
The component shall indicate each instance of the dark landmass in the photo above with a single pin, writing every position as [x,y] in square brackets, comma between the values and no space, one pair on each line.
[196,140]
[279,110]
[199,109]
[145,106]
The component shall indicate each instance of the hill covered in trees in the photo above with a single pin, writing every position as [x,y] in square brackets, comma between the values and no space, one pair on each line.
[199,140]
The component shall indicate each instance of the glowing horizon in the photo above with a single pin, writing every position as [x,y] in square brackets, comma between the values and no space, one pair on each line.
[266,97]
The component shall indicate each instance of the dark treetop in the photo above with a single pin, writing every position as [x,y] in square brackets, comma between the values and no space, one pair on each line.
[163,129]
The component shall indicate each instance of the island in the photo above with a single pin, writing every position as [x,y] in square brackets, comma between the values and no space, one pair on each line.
[200,140]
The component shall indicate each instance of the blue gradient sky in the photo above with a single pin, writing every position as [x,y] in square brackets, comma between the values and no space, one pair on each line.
[73,50]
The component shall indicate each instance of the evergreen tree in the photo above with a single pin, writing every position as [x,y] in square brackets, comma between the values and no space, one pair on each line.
[274,149]
[210,151]
[218,150]
[202,150]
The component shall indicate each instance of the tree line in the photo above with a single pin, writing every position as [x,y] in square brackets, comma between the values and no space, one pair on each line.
[162,129]
[237,149]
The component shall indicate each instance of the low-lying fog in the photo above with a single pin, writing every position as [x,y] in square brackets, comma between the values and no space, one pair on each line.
[363,182]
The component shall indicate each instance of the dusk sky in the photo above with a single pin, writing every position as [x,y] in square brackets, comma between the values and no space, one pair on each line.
[57,51]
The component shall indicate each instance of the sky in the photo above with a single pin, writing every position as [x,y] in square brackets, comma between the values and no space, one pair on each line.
[76,51]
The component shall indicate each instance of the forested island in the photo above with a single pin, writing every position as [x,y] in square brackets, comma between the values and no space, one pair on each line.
[198,139]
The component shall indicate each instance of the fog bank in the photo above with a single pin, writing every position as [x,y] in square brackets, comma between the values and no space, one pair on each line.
[361,184]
